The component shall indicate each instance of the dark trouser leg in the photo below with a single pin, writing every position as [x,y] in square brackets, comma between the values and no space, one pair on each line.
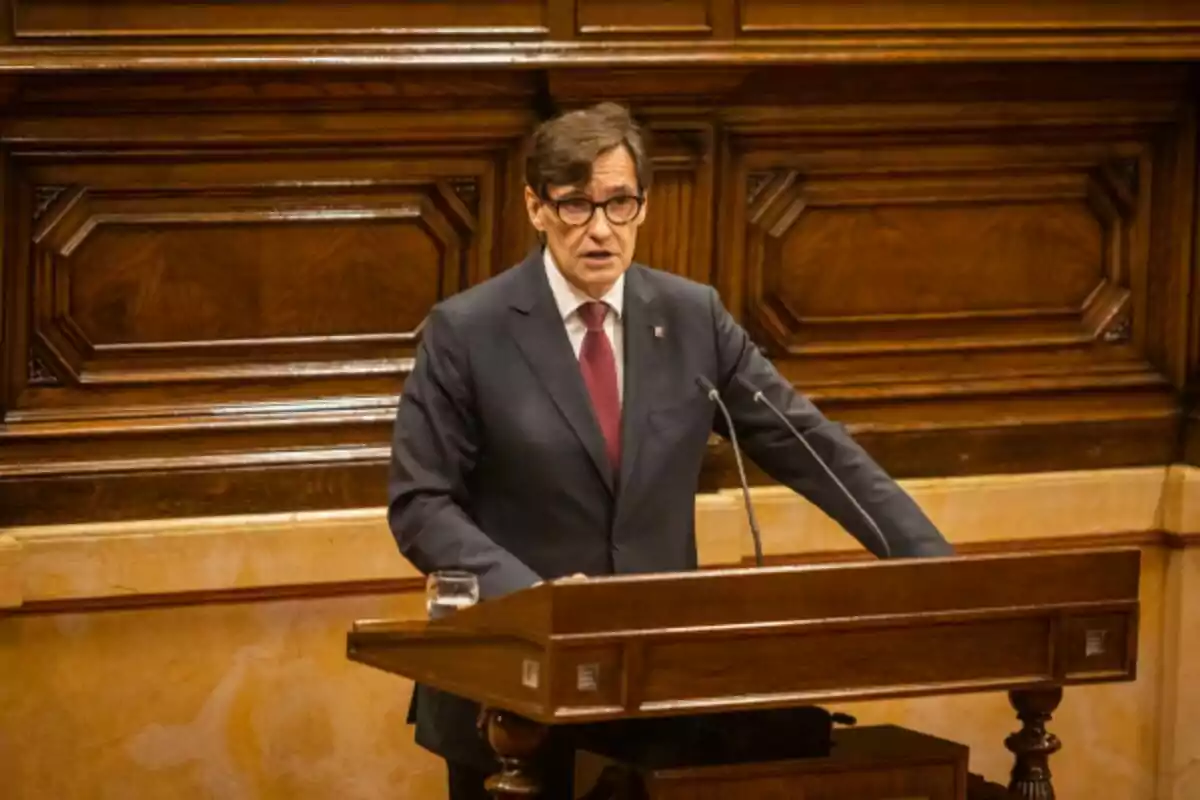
[558,773]
[466,783]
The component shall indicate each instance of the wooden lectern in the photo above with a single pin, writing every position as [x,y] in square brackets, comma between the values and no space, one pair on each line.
[629,647]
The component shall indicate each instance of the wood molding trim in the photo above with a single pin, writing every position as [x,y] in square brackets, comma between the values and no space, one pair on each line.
[1148,45]
[1181,541]
[254,594]
[172,35]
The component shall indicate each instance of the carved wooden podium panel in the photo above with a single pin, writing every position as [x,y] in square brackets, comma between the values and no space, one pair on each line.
[628,647]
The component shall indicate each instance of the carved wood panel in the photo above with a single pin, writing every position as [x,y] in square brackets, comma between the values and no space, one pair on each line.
[213,283]
[230,271]
[645,17]
[760,17]
[219,281]
[176,315]
[936,258]
[181,18]
[676,235]
[966,284]
[951,258]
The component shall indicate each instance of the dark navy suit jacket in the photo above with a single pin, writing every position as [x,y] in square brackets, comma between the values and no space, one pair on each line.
[499,466]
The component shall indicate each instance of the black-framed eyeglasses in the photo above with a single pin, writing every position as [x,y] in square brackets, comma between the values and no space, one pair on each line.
[577,211]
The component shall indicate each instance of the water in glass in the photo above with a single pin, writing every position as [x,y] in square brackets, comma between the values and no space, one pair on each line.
[449,591]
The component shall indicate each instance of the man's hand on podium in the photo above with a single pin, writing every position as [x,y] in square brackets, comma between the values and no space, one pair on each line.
[578,576]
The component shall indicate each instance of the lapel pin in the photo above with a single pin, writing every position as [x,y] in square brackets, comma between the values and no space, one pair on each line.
[659,331]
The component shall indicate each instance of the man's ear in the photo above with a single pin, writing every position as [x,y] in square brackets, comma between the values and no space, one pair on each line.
[533,205]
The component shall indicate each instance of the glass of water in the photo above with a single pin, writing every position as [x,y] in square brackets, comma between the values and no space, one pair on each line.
[447,591]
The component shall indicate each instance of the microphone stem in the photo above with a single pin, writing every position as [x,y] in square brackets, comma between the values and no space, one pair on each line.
[761,399]
[737,457]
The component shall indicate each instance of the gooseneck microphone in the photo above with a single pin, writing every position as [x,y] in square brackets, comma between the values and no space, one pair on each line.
[715,396]
[759,397]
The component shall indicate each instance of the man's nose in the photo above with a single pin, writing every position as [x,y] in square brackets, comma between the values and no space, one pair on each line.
[600,227]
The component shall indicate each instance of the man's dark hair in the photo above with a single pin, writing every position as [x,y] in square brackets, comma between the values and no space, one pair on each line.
[562,149]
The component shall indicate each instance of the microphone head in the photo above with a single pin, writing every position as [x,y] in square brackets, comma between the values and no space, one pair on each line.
[707,385]
[755,393]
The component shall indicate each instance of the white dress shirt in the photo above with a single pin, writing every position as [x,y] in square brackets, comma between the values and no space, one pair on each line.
[569,298]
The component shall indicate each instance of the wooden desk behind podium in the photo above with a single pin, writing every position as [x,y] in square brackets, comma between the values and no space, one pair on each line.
[629,647]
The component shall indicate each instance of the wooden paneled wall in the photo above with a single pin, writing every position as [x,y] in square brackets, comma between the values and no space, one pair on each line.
[223,224]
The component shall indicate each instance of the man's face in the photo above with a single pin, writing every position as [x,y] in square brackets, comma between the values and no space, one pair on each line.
[592,254]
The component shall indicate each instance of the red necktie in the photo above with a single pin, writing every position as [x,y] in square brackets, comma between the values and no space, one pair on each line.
[599,368]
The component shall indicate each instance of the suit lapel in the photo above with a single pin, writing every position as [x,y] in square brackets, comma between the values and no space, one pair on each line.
[539,332]
[643,330]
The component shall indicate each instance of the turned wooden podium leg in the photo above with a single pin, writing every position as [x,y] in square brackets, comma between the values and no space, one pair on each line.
[1033,744]
[515,741]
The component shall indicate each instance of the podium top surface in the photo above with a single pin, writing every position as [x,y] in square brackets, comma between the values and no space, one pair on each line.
[641,645]
[624,605]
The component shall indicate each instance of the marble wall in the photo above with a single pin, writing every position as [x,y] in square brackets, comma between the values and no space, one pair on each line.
[232,682]
[240,701]
[1179,738]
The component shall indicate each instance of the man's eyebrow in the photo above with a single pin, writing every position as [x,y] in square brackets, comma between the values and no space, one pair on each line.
[579,193]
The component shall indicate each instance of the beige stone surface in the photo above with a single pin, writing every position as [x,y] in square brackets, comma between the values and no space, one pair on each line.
[1181,500]
[11,588]
[220,553]
[231,701]
[1179,759]
[255,699]
[165,556]
[978,509]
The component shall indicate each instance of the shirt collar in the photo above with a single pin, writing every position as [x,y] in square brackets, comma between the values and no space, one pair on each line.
[569,298]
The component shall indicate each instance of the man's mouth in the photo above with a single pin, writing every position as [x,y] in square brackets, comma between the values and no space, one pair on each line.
[597,255]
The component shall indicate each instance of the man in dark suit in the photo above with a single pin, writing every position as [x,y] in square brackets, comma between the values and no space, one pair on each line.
[553,425]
